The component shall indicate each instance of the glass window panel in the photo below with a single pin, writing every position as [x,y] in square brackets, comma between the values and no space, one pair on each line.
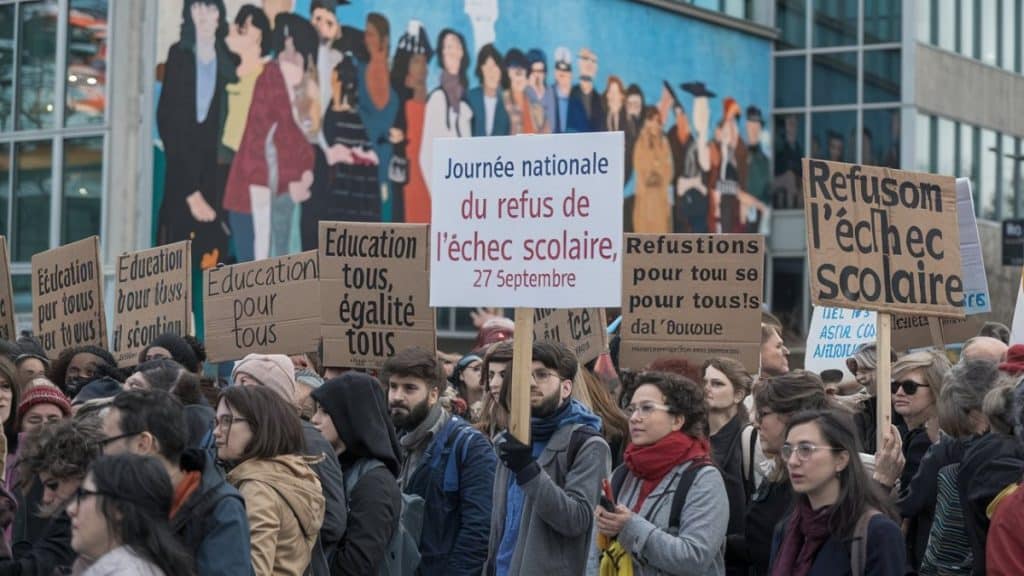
[790,17]
[988,180]
[789,151]
[21,285]
[735,8]
[966,28]
[835,23]
[945,13]
[945,140]
[880,141]
[1010,33]
[6,66]
[881,75]
[835,79]
[924,21]
[464,320]
[36,71]
[834,136]
[989,37]
[788,292]
[882,20]
[86,62]
[444,316]
[5,187]
[923,144]
[81,209]
[1008,199]
[968,167]
[32,186]
[790,81]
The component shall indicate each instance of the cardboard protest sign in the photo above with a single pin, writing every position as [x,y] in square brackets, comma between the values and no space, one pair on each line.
[7,328]
[67,297]
[527,221]
[692,295]
[373,292]
[883,239]
[976,298]
[581,329]
[834,335]
[909,332]
[267,306]
[152,296]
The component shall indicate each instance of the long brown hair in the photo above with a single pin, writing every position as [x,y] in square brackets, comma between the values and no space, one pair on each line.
[276,428]
[614,422]
[737,376]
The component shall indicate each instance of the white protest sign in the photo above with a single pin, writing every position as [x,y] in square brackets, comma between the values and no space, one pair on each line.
[527,221]
[976,298]
[834,336]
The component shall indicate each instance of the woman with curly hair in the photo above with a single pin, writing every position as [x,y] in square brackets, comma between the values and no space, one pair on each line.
[75,367]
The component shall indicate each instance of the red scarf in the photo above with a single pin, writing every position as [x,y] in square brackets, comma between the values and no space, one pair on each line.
[806,532]
[652,462]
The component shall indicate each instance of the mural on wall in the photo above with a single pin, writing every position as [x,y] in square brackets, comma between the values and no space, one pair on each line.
[275,114]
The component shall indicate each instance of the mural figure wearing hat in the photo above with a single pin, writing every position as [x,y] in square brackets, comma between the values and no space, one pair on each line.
[586,113]
[525,117]
[728,156]
[692,199]
[652,159]
[680,141]
[537,90]
[561,90]
[758,169]
[409,80]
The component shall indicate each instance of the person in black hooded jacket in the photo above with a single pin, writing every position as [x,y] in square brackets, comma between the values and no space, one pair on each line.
[352,414]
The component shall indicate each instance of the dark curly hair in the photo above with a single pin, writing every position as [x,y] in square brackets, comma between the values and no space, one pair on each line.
[63,449]
[59,368]
[683,396]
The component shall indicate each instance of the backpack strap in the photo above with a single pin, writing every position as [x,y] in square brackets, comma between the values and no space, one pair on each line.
[682,488]
[618,479]
[749,441]
[859,545]
[455,452]
[581,433]
[353,474]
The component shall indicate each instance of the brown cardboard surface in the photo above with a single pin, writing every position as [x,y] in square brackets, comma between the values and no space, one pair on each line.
[691,292]
[885,252]
[267,306]
[67,296]
[7,328]
[637,354]
[152,296]
[581,329]
[913,331]
[374,292]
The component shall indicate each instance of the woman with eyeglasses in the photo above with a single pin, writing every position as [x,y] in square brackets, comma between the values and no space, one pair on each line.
[670,510]
[726,384]
[840,518]
[776,400]
[119,520]
[261,440]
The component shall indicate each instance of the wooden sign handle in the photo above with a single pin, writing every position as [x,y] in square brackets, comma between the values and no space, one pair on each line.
[522,364]
[883,378]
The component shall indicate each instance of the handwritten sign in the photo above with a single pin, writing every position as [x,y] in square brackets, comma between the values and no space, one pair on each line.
[267,306]
[67,297]
[693,295]
[581,329]
[882,239]
[151,297]
[527,221]
[373,292]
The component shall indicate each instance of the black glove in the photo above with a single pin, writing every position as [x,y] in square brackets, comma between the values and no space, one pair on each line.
[518,457]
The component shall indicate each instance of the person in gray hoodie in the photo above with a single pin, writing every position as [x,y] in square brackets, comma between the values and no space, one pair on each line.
[545,492]
[671,511]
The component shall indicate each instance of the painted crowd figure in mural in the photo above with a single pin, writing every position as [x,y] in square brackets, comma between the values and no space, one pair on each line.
[282,119]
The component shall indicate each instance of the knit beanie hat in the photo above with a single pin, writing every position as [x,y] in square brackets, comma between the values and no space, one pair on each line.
[309,378]
[1014,362]
[43,394]
[181,351]
[461,366]
[275,371]
[105,387]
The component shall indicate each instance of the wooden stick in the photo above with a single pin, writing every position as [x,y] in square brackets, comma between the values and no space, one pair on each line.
[883,378]
[522,365]
[935,327]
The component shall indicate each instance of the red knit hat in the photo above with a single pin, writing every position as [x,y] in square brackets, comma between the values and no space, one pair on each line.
[1014,360]
[43,394]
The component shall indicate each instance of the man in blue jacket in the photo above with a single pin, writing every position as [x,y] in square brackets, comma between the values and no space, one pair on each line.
[445,461]
[208,514]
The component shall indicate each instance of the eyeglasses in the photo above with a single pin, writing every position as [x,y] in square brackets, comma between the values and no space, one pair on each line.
[82,493]
[226,420]
[804,450]
[909,386]
[540,374]
[644,410]
[107,441]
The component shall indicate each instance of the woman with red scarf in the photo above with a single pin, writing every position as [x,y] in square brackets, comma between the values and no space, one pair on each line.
[839,518]
[668,443]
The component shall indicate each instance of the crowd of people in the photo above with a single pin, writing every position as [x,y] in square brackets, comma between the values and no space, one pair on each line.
[291,467]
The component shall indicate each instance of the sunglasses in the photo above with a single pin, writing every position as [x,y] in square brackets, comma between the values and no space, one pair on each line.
[909,386]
